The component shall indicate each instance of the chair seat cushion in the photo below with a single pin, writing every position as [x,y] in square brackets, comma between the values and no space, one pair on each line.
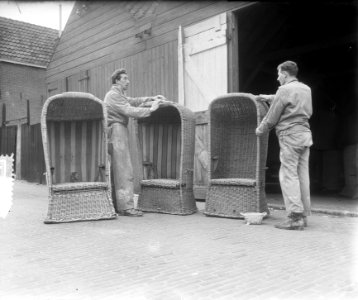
[165,183]
[233,181]
[70,186]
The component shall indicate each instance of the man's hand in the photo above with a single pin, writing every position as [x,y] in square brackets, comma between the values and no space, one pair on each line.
[155,105]
[159,97]
[258,132]
[149,100]
[263,98]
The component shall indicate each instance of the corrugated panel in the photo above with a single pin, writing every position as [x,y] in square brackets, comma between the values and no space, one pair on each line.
[8,140]
[32,157]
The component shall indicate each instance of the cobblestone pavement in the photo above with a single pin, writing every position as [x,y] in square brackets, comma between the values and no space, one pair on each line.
[173,257]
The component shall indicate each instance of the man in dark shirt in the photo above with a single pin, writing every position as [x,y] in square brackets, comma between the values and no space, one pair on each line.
[290,110]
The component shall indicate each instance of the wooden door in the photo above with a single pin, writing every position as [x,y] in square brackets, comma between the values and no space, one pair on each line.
[204,62]
[203,76]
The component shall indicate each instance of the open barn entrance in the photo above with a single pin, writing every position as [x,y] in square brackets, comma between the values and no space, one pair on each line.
[322,39]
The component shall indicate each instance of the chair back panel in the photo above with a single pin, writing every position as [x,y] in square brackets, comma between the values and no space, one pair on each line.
[76,150]
[233,140]
[161,147]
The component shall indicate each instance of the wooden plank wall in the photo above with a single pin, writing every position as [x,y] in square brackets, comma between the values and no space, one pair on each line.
[8,140]
[105,34]
[32,155]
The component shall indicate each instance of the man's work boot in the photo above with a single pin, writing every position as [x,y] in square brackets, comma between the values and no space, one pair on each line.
[294,222]
[132,212]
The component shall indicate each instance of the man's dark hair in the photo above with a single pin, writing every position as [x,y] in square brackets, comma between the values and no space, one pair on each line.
[117,75]
[289,66]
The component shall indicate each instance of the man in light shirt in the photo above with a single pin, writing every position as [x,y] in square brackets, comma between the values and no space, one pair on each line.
[290,110]
[119,109]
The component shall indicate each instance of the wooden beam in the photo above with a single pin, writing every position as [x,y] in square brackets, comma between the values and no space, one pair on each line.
[233,53]
[201,117]
[18,151]
[181,67]
[3,114]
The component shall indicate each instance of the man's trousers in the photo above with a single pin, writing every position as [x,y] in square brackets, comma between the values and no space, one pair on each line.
[294,171]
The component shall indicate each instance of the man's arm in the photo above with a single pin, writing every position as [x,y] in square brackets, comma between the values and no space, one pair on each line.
[274,113]
[120,104]
[137,101]
[265,98]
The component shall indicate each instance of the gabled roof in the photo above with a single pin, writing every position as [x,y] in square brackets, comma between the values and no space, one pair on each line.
[26,43]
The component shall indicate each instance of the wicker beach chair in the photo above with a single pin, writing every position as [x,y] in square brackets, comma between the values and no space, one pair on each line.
[74,127]
[238,157]
[167,144]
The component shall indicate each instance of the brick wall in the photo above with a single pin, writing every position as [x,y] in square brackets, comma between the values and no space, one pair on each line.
[18,84]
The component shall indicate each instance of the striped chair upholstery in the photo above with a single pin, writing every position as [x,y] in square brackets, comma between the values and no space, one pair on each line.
[167,147]
[161,146]
[74,127]
[76,150]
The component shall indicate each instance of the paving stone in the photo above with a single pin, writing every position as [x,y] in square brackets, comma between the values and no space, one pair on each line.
[166,257]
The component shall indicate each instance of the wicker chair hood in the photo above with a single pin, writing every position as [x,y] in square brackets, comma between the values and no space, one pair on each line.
[60,107]
[176,113]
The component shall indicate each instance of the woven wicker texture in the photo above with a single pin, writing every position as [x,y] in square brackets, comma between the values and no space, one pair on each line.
[79,205]
[238,156]
[167,194]
[78,186]
[234,181]
[168,183]
[70,199]
[65,109]
[167,200]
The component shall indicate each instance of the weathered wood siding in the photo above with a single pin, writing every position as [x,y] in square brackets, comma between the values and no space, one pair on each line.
[103,38]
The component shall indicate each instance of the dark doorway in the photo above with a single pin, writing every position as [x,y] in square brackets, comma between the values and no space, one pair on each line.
[322,39]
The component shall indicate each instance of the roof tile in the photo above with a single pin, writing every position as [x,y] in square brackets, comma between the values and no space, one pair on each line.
[26,43]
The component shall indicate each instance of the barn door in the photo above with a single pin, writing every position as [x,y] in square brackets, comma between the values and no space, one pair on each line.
[204,62]
[202,77]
